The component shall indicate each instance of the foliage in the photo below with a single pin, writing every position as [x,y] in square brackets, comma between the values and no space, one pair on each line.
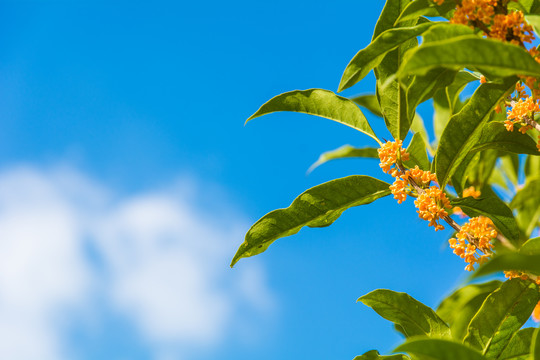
[483,163]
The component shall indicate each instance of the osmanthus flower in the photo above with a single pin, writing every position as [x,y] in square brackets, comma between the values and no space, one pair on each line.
[432,204]
[389,154]
[520,110]
[473,242]
[401,186]
[511,27]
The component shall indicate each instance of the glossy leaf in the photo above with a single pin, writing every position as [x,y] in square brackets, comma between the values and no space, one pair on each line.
[418,155]
[527,204]
[464,128]
[374,355]
[459,308]
[414,317]
[502,314]
[519,346]
[471,52]
[510,261]
[321,103]
[439,349]
[493,208]
[445,31]
[534,20]
[427,8]
[316,207]
[527,6]
[345,151]
[530,247]
[371,56]
[369,102]
[424,87]
[495,136]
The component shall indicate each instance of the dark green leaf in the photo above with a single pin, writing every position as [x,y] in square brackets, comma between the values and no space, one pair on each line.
[502,314]
[535,345]
[493,208]
[390,12]
[321,103]
[438,349]
[459,308]
[369,102]
[519,346]
[471,52]
[510,261]
[424,87]
[418,154]
[427,8]
[527,6]
[345,151]
[374,355]
[414,317]
[454,90]
[371,56]
[318,206]
[495,136]
[464,128]
[531,247]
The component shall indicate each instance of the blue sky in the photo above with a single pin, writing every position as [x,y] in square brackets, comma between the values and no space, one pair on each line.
[129,180]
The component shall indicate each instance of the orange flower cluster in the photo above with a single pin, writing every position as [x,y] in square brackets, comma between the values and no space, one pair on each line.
[471,11]
[536,312]
[431,206]
[389,154]
[520,109]
[482,231]
[470,191]
[401,186]
[511,27]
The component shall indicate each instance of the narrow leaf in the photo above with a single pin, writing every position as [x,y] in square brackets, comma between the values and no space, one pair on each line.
[535,345]
[464,128]
[369,102]
[424,87]
[345,151]
[493,208]
[495,136]
[531,247]
[418,154]
[459,308]
[426,8]
[503,313]
[414,317]
[371,56]
[510,261]
[374,355]
[321,103]
[438,349]
[471,52]
[318,206]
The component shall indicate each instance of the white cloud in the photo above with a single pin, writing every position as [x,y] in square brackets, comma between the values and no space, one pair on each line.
[161,264]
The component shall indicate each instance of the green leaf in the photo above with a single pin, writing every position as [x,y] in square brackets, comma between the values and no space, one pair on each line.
[495,136]
[502,314]
[424,87]
[321,103]
[470,52]
[532,166]
[464,129]
[426,8]
[459,308]
[510,165]
[476,169]
[417,152]
[442,112]
[417,127]
[534,20]
[527,6]
[535,345]
[493,208]
[510,261]
[390,12]
[371,56]
[531,247]
[454,90]
[527,204]
[369,102]
[374,355]
[519,346]
[345,151]
[414,317]
[316,207]
[445,31]
[438,349]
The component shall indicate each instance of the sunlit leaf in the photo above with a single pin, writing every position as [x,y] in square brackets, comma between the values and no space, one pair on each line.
[414,317]
[427,8]
[502,314]
[438,349]
[374,355]
[369,102]
[417,152]
[345,151]
[464,129]
[471,52]
[317,207]
[424,87]
[459,308]
[535,345]
[531,247]
[510,261]
[519,346]
[321,103]
[495,136]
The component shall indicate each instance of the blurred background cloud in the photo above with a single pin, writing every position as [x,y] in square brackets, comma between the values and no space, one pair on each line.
[152,258]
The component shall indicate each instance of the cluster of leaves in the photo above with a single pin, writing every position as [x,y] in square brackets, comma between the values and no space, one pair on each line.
[471,147]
